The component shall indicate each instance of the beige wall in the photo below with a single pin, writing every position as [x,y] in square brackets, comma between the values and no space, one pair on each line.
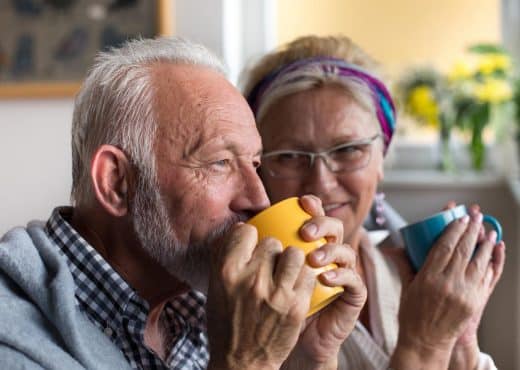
[396,32]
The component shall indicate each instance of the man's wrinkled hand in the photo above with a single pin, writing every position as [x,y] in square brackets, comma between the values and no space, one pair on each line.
[325,331]
[258,297]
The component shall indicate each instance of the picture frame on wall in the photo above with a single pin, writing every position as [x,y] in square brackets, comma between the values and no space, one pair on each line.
[47,46]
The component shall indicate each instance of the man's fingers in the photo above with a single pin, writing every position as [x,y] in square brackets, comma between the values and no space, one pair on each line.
[323,227]
[288,269]
[340,254]
[355,293]
[303,289]
[312,205]
[236,249]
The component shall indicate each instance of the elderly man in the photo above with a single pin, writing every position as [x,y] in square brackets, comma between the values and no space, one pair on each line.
[165,153]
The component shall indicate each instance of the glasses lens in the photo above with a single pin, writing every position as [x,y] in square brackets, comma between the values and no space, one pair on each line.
[293,164]
[287,165]
[350,157]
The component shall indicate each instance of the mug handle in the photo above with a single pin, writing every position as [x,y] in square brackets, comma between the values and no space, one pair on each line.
[495,224]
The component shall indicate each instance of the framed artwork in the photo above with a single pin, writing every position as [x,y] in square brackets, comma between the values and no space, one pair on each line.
[47,46]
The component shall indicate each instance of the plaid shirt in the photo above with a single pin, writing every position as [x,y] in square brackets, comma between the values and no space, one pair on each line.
[117,310]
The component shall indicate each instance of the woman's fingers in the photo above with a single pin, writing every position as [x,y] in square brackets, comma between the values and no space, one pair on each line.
[481,260]
[466,245]
[497,261]
[442,251]
[450,204]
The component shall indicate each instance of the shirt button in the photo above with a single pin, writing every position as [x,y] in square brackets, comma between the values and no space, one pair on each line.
[108,331]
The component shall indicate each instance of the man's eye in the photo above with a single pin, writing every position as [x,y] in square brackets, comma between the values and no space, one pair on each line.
[221,163]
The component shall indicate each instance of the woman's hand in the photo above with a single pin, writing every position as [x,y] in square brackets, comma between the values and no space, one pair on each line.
[447,295]
[325,331]
[466,350]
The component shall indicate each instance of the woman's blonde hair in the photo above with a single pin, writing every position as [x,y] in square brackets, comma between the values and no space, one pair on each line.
[337,47]
[340,47]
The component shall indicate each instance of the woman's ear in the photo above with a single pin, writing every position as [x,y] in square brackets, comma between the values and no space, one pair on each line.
[111,172]
[380,166]
[380,171]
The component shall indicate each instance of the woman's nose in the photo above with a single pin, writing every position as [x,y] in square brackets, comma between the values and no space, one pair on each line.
[320,178]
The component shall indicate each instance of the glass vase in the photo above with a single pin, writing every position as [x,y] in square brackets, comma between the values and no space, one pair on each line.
[476,147]
[446,162]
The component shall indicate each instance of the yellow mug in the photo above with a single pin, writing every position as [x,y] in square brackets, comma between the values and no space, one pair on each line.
[283,221]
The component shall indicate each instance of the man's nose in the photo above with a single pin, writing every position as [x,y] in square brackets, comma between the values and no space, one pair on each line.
[252,197]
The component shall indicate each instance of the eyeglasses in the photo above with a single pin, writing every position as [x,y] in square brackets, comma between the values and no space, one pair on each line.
[290,164]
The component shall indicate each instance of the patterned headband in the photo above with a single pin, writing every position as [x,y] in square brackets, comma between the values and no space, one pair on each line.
[328,67]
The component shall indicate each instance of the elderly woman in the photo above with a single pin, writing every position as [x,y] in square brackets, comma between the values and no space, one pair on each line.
[326,120]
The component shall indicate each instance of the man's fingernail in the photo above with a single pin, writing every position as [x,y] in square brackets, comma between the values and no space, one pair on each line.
[311,228]
[465,219]
[331,275]
[318,255]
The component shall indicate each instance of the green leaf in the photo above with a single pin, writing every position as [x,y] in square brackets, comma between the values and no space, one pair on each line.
[486,48]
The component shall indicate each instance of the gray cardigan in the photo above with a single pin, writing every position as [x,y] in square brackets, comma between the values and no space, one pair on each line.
[40,324]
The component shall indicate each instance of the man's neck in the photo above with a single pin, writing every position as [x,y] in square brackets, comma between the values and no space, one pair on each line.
[115,240]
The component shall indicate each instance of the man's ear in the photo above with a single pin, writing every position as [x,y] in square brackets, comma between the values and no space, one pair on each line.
[111,173]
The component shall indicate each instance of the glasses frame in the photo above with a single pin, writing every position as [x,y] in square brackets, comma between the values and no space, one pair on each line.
[324,154]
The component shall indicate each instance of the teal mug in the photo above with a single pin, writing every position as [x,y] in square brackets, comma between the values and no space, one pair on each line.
[420,236]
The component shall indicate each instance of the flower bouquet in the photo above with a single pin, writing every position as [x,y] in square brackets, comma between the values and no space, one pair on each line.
[476,92]
[482,92]
[425,95]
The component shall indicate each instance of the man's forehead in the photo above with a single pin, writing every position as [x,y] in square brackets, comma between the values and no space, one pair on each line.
[196,103]
[167,74]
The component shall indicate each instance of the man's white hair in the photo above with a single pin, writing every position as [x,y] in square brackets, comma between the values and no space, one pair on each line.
[115,104]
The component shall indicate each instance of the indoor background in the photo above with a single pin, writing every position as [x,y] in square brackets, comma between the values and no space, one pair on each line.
[34,132]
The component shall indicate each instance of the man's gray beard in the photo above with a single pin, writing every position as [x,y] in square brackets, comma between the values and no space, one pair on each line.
[152,224]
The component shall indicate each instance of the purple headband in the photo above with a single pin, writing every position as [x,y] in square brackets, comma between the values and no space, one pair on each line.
[299,70]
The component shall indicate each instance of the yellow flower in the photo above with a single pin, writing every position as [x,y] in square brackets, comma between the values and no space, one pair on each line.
[421,104]
[462,69]
[493,90]
[489,63]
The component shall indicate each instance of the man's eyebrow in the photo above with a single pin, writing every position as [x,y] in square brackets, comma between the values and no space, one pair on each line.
[234,148]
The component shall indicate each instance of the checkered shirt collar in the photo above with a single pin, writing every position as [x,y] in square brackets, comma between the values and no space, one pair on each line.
[116,308]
